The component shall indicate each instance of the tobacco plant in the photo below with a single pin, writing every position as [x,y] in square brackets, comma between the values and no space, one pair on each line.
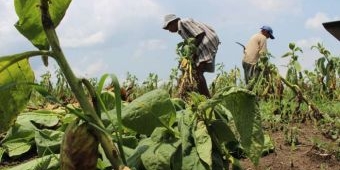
[151,83]
[152,132]
[327,69]
[293,74]
[44,16]
[198,134]
[270,84]
[223,78]
[187,81]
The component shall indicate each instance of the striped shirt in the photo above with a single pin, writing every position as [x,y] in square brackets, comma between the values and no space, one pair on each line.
[207,49]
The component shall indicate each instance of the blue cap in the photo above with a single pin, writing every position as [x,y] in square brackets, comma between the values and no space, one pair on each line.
[269,30]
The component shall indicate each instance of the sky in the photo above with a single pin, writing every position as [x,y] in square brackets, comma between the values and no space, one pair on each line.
[126,36]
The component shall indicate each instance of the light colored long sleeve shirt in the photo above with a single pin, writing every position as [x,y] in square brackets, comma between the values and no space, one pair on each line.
[257,46]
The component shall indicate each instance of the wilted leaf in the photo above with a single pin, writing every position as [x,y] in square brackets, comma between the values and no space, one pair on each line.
[79,149]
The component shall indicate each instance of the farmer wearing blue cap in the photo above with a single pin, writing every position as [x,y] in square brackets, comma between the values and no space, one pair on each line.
[206,41]
[256,47]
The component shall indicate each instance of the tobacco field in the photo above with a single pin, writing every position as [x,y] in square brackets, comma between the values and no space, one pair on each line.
[283,122]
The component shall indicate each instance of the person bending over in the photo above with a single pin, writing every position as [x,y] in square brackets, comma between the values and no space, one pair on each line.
[207,43]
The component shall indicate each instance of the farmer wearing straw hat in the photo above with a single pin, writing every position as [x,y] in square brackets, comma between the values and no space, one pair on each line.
[256,47]
[206,41]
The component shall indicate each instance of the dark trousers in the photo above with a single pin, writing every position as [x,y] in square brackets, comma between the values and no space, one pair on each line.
[201,82]
[250,71]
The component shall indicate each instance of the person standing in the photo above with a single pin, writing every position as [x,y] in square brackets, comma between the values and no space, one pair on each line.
[206,41]
[255,48]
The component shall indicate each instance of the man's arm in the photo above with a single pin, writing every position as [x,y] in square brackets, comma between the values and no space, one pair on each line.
[199,38]
[263,46]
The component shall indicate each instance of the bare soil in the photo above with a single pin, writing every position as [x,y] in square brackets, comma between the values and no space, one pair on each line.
[303,156]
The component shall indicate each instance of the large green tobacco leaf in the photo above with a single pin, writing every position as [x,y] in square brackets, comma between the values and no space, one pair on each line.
[190,158]
[151,110]
[185,126]
[17,148]
[244,109]
[203,143]
[18,140]
[158,155]
[38,119]
[48,141]
[21,136]
[29,23]
[135,159]
[14,90]
[222,131]
[49,162]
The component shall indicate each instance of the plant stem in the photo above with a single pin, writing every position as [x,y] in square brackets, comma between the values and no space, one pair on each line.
[93,95]
[76,86]
[296,89]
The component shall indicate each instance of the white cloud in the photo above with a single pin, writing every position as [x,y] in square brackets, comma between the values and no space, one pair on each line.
[103,19]
[307,59]
[149,45]
[153,44]
[276,5]
[316,21]
[93,68]
[7,15]
[89,40]
[308,43]
[9,36]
